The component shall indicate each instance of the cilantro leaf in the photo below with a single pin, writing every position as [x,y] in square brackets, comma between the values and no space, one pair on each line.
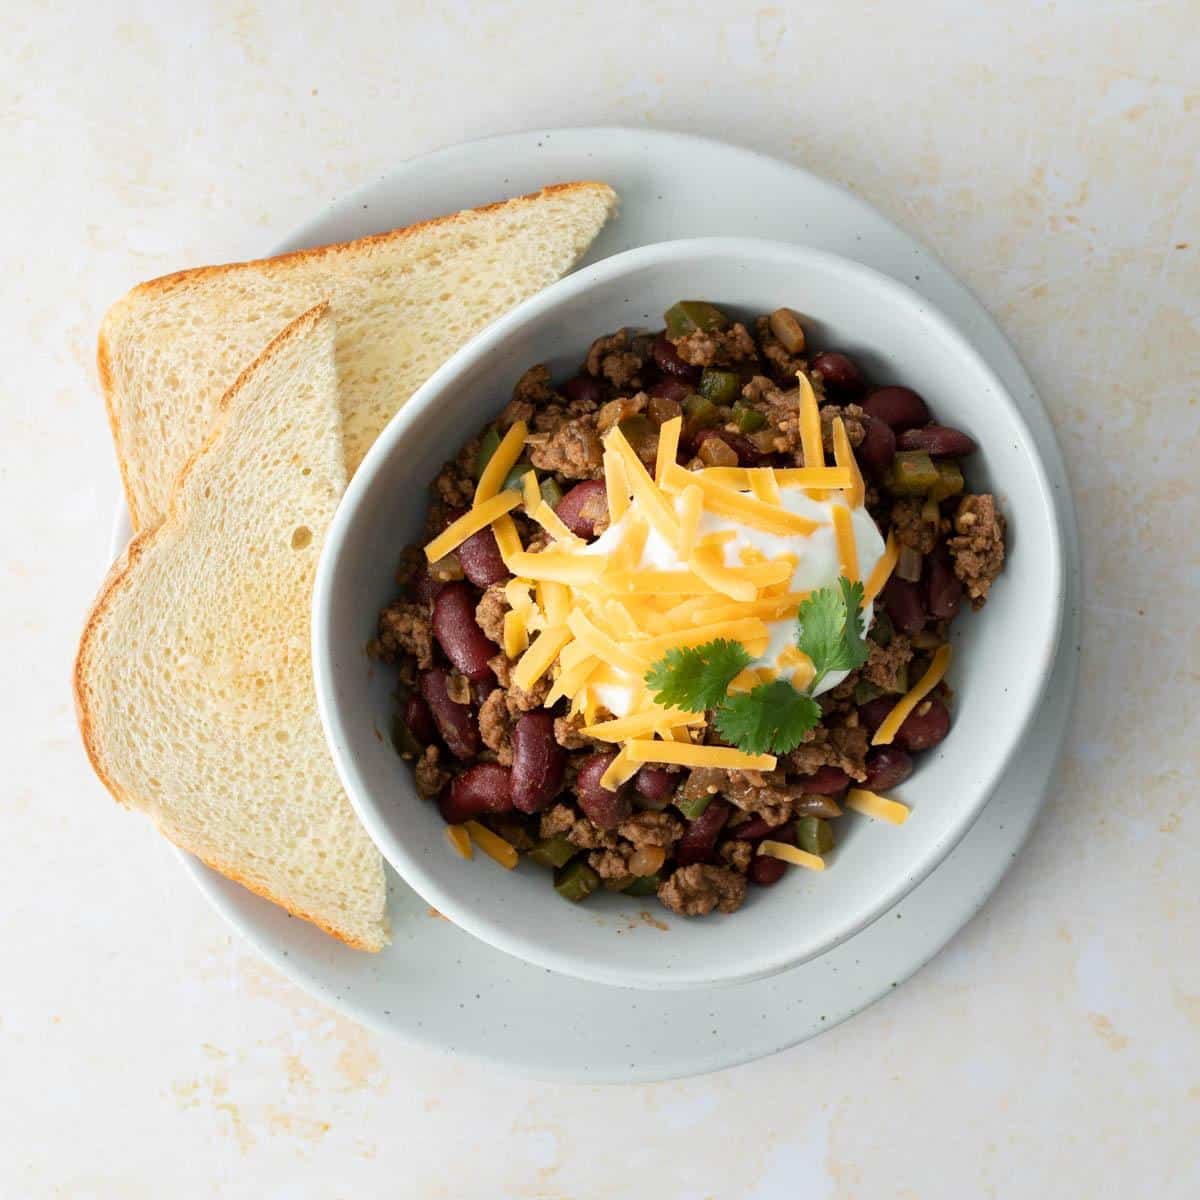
[855,647]
[697,678]
[771,719]
[829,629]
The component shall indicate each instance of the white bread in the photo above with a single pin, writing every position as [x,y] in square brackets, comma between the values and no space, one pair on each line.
[403,301]
[193,681]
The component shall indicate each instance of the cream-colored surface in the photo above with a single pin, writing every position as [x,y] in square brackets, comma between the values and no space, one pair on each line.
[1049,153]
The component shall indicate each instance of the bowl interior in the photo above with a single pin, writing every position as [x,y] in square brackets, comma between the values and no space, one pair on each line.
[1001,655]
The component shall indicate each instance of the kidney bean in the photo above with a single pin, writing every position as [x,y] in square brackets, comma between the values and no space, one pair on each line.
[668,361]
[454,721]
[482,788]
[538,762]
[606,809]
[943,589]
[424,587]
[840,373]
[904,605]
[878,447]
[874,712]
[481,561]
[583,390]
[757,828]
[825,781]
[419,719]
[669,388]
[899,407]
[887,767]
[458,633]
[584,505]
[938,440]
[765,870]
[654,783]
[482,690]
[925,726]
[700,838]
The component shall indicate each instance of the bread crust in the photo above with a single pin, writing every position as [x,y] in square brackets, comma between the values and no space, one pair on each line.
[120,576]
[165,284]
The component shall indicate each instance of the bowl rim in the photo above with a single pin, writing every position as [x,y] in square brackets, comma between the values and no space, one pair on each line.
[480,923]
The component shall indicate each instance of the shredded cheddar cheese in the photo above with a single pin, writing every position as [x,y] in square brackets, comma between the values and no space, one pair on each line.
[791,854]
[932,677]
[470,523]
[460,839]
[698,756]
[847,549]
[492,844]
[870,804]
[883,569]
[501,463]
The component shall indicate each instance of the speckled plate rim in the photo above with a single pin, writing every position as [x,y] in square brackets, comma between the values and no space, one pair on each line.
[643,165]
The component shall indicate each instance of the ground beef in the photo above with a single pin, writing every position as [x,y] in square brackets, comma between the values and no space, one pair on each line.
[430,777]
[910,526]
[519,700]
[406,629]
[978,545]
[611,864]
[496,726]
[854,419]
[502,669]
[455,484]
[765,792]
[717,347]
[736,854]
[781,408]
[533,388]
[573,451]
[616,359]
[886,666]
[844,747]
[489,612]
[696,890]
[651,828]
[563,821]
[566,732]
[783,365]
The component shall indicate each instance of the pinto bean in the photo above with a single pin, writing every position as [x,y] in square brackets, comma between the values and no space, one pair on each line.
[454,721]
[538,762]
[458,633]
[940,441]
[584,505]
[604,808]
[481,561]
[700,838]
[899,407]
[887,767]
[482,788]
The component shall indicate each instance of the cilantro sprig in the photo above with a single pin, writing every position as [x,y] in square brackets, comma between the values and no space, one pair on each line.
[772,717]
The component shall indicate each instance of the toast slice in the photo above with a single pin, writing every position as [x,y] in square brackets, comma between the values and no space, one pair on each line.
[403,301]
[193,680]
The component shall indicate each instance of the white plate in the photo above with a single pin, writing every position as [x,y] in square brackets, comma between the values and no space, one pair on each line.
[439,987]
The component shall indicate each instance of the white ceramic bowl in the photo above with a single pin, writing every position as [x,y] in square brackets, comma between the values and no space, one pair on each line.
[1002,655]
